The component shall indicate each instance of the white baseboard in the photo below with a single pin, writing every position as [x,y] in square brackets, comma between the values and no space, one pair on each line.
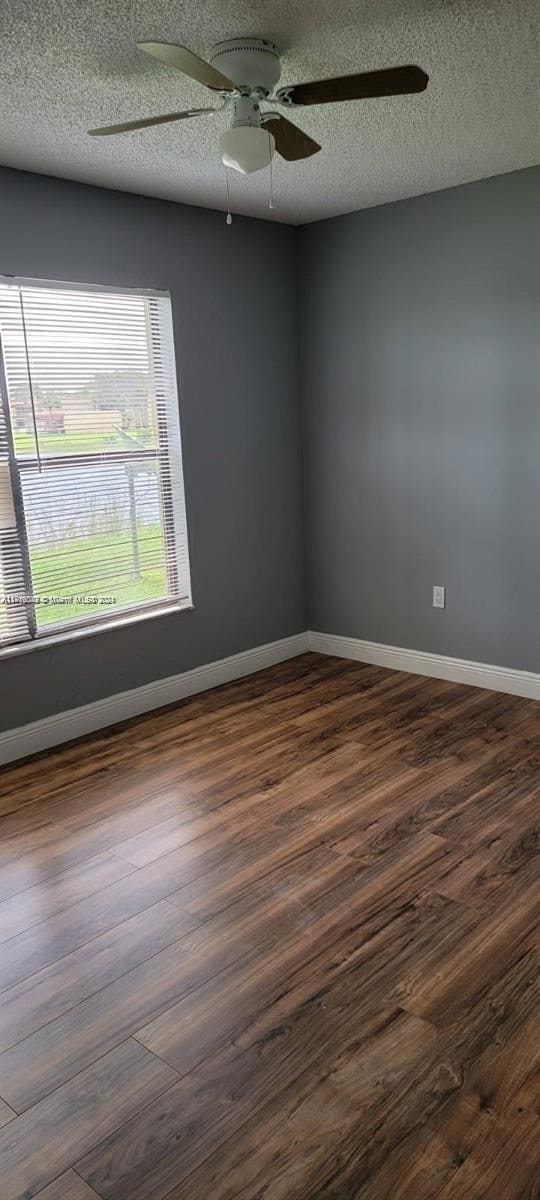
[52,731]
[439,666]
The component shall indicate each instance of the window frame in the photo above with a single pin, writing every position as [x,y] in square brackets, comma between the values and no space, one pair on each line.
[58,632]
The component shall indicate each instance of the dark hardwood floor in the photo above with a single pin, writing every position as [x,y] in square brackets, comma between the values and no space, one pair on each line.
[280,942]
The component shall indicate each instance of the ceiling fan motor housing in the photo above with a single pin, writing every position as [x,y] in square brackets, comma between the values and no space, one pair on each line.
[251,63]
[245,110]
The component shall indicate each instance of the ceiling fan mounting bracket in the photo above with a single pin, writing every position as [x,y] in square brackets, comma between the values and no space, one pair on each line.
[252,64]
[283,96]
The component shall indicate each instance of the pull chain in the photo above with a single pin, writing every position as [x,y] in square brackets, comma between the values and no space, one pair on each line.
[229,213]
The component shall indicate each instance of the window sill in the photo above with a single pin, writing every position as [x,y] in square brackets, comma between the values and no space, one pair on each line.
[74,635]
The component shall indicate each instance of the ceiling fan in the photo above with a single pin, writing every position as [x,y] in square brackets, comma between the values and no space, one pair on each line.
[244,72]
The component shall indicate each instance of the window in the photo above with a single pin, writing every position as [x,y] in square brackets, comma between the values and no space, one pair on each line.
[92,512]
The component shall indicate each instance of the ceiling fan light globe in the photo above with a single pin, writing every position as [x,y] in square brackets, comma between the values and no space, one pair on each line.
[246,148]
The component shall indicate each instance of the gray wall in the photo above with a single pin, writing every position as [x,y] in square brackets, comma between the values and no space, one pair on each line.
[419,333]
[238,381]
[421,394]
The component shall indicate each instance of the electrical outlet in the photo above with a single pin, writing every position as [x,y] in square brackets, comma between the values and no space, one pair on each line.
[439,597]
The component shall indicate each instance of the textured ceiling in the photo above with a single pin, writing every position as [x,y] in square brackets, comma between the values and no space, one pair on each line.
[68,65]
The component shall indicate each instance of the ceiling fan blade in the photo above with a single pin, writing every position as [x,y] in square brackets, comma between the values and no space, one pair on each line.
[291,142]
[188,62]
[106,130]
[395,81]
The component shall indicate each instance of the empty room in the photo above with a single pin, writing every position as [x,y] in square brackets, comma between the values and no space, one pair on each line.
[270,600]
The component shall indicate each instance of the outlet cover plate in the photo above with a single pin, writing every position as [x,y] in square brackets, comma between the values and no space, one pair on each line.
[439,596]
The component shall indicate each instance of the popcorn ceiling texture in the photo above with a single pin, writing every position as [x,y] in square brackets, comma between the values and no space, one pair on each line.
[69,65]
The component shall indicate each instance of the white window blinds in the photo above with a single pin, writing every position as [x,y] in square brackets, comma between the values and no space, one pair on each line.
[92,512]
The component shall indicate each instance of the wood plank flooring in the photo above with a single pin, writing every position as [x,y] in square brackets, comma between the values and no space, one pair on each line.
[279,942]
